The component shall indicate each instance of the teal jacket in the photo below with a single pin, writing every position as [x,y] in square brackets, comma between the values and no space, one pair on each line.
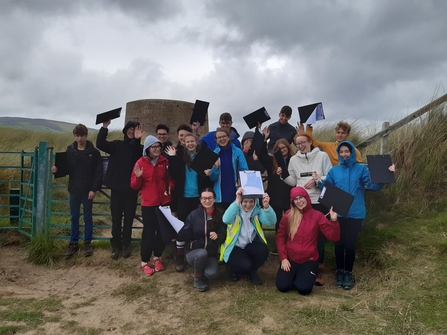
[232,219]
[239,164]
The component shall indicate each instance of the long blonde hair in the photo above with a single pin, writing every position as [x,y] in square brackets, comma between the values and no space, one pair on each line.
[294,220]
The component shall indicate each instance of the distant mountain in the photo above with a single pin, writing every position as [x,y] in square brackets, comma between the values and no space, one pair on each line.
[42,125]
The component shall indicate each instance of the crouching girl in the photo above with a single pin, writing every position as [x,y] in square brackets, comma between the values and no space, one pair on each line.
[245,248]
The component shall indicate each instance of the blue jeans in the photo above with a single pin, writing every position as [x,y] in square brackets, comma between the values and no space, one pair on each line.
[75,205]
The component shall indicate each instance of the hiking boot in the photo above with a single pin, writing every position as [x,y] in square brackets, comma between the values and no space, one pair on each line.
[274,252]
[349,281]
[319,281]
[158,265]
[71,249]
[180,263]
[88,249]
[148,271]
[339,278]
[116,252]
[254,278]
[127,251]
[233,277]
[200,284]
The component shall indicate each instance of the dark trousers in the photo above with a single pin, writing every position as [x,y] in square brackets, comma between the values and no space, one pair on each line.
[345,247]
[122,203]
[279,213]
[186,206]
[321,238]
[250,259]
[301,277]
[151,238]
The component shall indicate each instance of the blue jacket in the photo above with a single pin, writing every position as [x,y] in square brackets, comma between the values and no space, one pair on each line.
[239,164]
[352,177]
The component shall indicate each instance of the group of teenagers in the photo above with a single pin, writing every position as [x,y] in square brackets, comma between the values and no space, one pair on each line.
[221,223]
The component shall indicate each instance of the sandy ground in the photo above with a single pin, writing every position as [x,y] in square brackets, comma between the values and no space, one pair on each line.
[87,288]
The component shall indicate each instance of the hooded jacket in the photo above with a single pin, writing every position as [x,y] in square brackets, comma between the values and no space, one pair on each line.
[352,177]
[304,246]
[84,169]
[301,167]
[123,156]
[232,218]
[155,184]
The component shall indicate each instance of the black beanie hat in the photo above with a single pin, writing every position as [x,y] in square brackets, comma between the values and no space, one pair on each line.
[130,124]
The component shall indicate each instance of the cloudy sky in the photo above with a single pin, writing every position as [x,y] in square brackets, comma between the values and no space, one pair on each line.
[367,61]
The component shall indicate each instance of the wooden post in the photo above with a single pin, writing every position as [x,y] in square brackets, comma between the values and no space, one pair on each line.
[384,144]
[403,122]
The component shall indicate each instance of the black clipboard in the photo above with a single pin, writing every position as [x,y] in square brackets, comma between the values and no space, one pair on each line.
[204,160]
[378,169]
[60,161]
[258,116]
[199,112]
[281,163]
[333,196]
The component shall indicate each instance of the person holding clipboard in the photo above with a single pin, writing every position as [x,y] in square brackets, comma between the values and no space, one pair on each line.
[352,178]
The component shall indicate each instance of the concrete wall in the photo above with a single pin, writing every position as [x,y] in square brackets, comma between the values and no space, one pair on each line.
[150,112]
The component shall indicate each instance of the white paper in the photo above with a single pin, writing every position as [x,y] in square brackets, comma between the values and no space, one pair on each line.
[175,223]
[251,183]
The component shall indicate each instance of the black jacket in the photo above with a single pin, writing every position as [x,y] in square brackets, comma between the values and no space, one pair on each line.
[277,189]
[84,169]
[196,231]
[123,156]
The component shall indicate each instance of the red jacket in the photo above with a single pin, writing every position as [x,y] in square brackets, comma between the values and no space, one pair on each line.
[303,248]
[154,183]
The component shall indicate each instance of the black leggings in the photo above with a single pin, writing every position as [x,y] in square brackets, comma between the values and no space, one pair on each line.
[151,238]
[345,247]
[301,277]
[250,259]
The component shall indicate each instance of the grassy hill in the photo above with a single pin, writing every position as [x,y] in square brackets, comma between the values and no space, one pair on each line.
[40,125]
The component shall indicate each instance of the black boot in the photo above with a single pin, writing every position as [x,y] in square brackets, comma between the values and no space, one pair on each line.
[233,277]
[180,262]
[254,278]
[200,284]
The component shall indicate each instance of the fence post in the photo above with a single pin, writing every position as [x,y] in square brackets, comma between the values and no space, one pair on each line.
[42,182]
[384,142]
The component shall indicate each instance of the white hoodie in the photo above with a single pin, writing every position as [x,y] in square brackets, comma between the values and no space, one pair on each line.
[301,167]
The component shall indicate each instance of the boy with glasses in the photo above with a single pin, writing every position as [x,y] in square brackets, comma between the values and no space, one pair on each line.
[225,122]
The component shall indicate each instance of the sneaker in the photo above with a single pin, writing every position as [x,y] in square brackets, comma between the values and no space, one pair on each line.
[148,271]
[319,281]
[71,249]
[88,249]
[233,277]
[158,265]
[116,253]
[339,278]
[254,278]
[274,252]
[127,251]
[200,284]
[180,263]
[349,281]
